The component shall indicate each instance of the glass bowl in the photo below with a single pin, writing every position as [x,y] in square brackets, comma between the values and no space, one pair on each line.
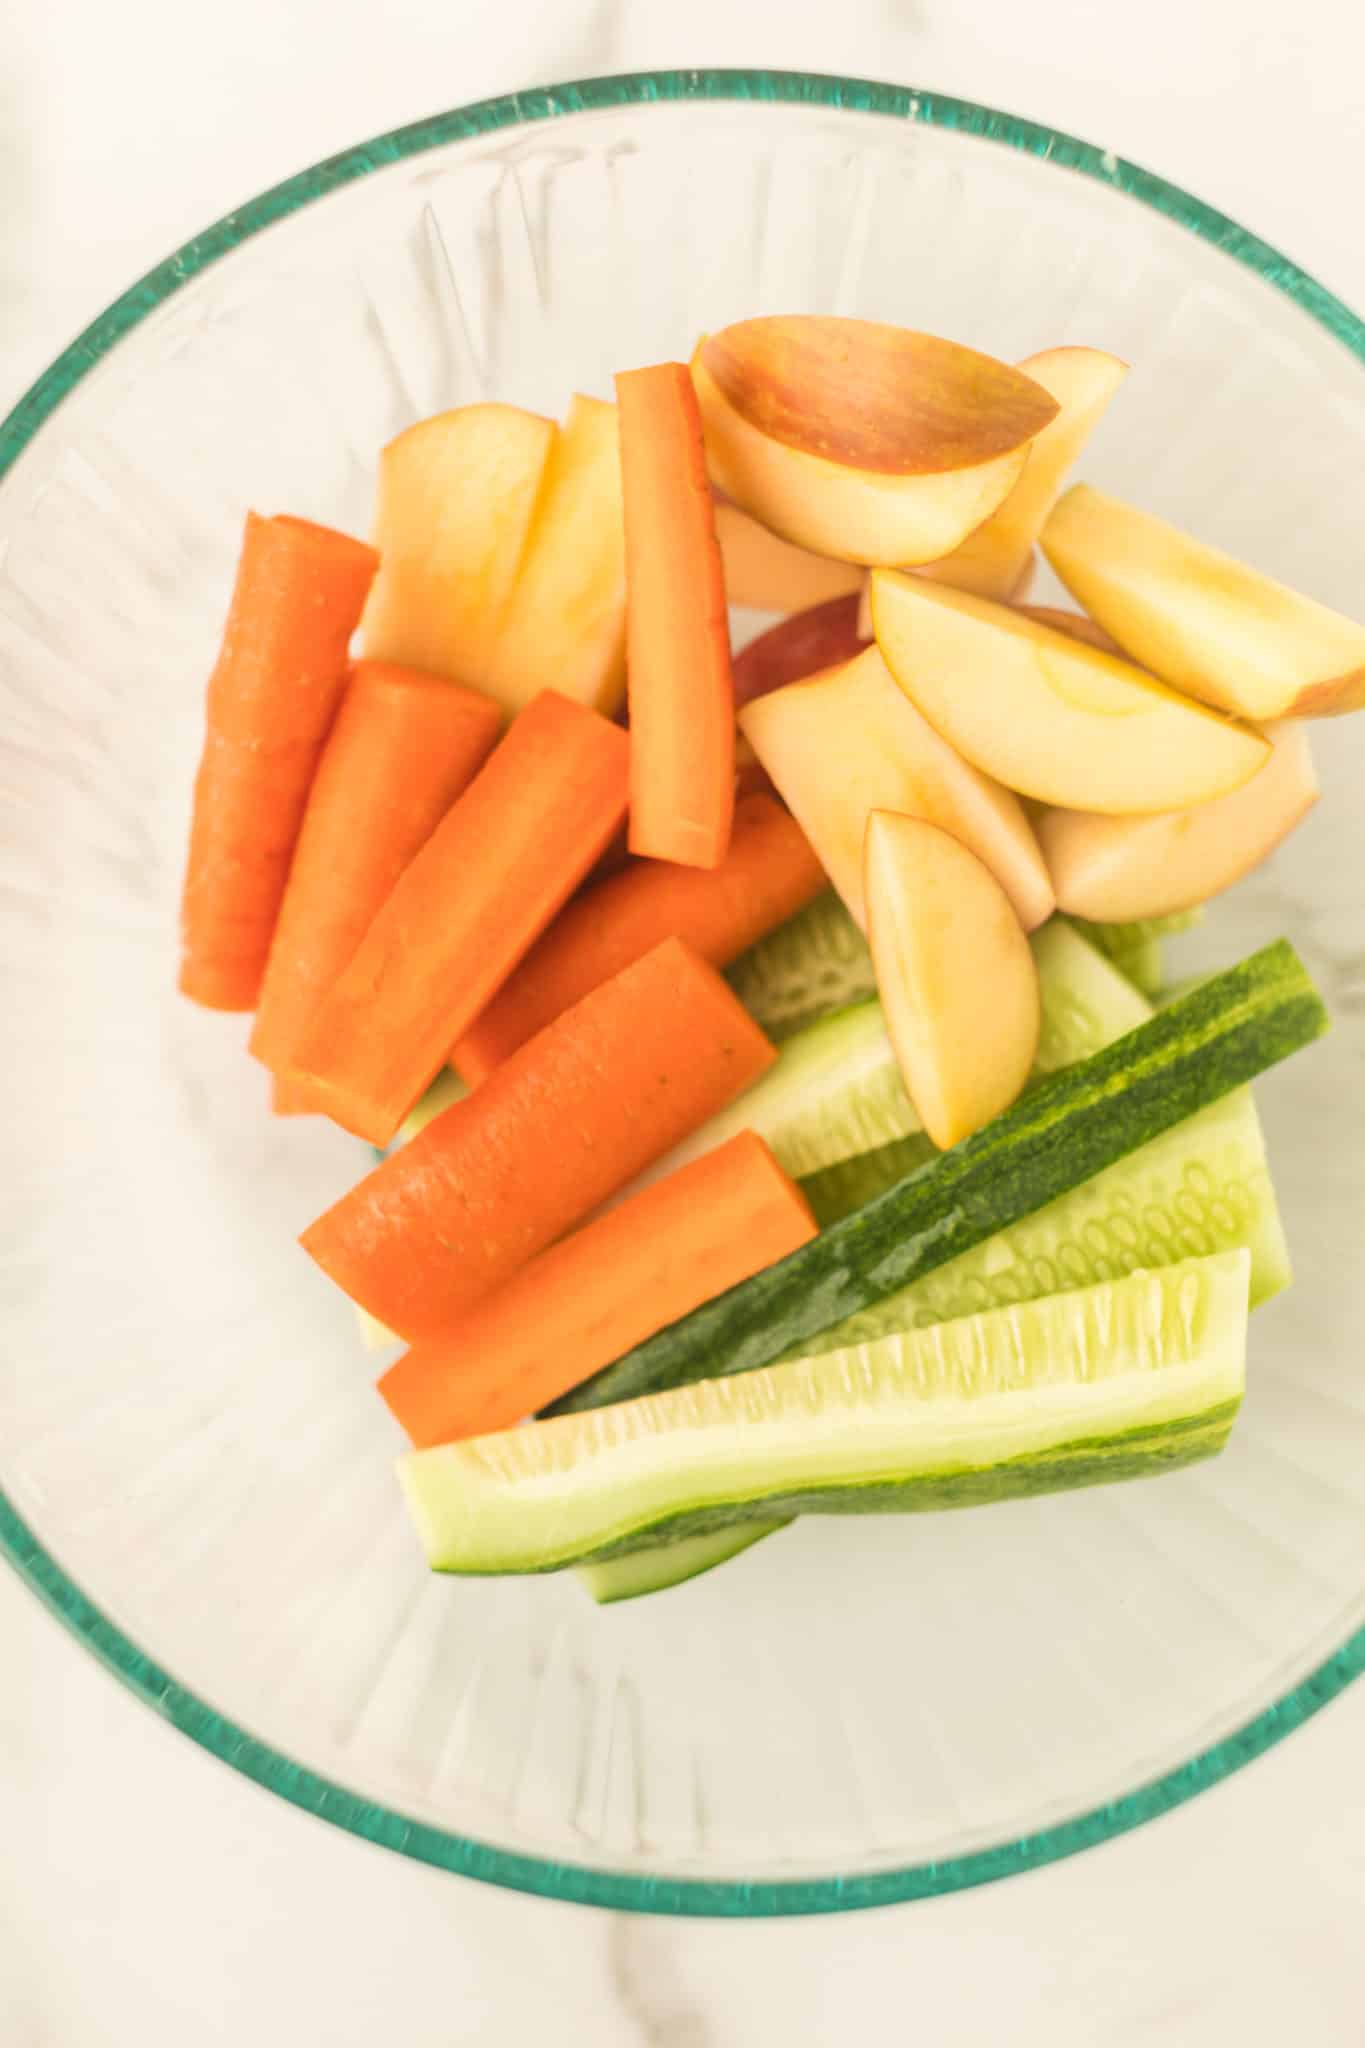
[197,1474]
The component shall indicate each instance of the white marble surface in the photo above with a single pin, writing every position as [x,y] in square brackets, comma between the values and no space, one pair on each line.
[146,1894]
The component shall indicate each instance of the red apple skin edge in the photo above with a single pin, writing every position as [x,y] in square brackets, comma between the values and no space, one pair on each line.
[820,637]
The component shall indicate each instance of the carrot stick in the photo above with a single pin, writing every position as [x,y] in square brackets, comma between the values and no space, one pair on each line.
[682,713]
[592,1296]
[502,861]
[272,696]
[403,747]
[571,1117]
[765,878]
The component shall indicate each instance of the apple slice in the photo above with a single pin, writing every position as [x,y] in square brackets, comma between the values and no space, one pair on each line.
[992,560]
[1200,619]
[956,975]
[1016,597]
[821,637]
[865,442]
[565,623]
[1076,624]
[847,742]
[768,574]
[1114,870]
[1048,715]
[457,495]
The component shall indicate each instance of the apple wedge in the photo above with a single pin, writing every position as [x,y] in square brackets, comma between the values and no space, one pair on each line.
[1200,619]
[1075,624]
[1017,597]
[860,441]
[565,624]
[847,742]
[956,975]
[457,495]
[1115,870]
[1048,715]
[769,574]
[821,637]
[992,560]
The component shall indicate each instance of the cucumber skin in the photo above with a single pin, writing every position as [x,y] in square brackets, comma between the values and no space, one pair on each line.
[836,1191]
[630,1571]
[1216,1038]
[1116,1223]
[1144,1453]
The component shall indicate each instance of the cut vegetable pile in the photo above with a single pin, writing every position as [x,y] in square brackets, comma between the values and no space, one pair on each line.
[782,1101]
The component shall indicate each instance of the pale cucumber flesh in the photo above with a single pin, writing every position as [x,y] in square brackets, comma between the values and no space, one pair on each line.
[1136,948]
[816,962]
[1132,1376]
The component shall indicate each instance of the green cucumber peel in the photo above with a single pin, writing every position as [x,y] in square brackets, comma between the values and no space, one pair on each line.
[1065,1131]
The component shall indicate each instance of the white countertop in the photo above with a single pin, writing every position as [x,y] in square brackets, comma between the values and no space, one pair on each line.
[149,1896]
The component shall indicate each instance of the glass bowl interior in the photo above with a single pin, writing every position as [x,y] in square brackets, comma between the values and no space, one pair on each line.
[196,1472]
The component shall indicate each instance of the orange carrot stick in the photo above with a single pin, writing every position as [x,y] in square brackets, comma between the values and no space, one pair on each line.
[765,878]
[590,1297]
[403,747]
[502,861]
[682,712]
[271,699]
[572,1117]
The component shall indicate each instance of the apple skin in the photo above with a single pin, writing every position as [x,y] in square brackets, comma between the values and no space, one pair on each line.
[872,397]
[861,442]
[821,637]
[765,573]
[1048,715]
[1201,620]
[957,978]
[447,568]
[992,560]
[1115,870]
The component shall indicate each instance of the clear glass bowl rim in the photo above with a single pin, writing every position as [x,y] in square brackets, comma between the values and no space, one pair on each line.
[138,1671]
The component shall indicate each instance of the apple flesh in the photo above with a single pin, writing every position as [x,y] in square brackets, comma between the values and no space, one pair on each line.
[1200,619]
[457,496]
[991,561]
[822,637]
[847,742]
[860,441]
[1076,624]
[1113,870]
[767,574]
[956,976]
[1048,715]
[565,623]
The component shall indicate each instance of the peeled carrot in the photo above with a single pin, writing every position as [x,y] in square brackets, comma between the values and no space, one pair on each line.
[502,861]
[563,1124]
[682,711]
[765,878]
[271,700]
[403,747]
[590,1297]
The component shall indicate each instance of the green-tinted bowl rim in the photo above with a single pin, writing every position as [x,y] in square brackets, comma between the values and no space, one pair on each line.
[139,1672]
